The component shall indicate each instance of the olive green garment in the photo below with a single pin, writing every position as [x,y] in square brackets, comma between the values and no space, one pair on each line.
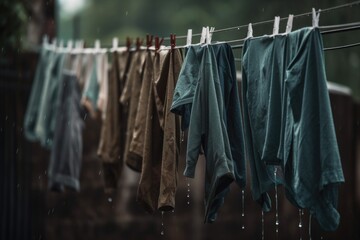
[112,138]
[129,99]
[158,181]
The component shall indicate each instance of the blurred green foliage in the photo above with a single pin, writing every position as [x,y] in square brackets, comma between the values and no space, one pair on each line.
[13,16]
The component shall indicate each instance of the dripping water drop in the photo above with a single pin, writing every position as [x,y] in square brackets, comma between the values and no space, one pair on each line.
[262,225]
[243,208]
[162,224]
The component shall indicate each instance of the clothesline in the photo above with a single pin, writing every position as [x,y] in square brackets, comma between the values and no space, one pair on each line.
[272,20]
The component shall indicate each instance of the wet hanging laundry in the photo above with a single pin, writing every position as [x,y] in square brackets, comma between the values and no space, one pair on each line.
[207,89]
[158,181]
[284,80]
[33,107]
[66,153]
[112,138]
[129,99]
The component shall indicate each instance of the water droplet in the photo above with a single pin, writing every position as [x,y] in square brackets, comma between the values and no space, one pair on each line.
[276,202]
[162,224]
[310,226]
[110,199]
[262,226]
[188,192]
[182,136]
[85,116]
[301,212]
[243,208]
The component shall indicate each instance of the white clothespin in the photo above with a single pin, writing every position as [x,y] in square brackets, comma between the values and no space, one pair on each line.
[315,17]
[276,25]
[210,34]
[203,35]
[61,44]
[115,43]
[70,44]
[250,31]
[54,44]
[289,23]
[97,46]
[189,37]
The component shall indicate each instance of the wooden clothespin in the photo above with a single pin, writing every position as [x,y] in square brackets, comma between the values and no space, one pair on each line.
[139,42]
[149,41]
[172,41]
[128,43]
[158,43]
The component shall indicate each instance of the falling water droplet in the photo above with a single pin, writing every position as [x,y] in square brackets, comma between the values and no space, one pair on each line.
[110,199]
[310,226]
[188,192]
[262,225]
[182,136]
[300,217]
[276,204]
[243,208]
[85,116]
[162,224]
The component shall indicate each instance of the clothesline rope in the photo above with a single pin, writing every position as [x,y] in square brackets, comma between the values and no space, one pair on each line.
[272,20]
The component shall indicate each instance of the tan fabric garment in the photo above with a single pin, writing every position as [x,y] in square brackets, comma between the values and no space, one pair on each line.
[138,137]
[130,98]
[158,180]
[112,139]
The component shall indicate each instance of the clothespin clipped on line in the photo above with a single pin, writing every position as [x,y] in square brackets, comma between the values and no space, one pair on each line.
[158,43]
[97,44]
[276,25]
[172,41]
[203,35]
[315,17]
[250,31]
[189,37]
[128,43]
[139,42]
[61,43]
[115,43]
[289,23]
[209,34]
[149,40]
[70,44]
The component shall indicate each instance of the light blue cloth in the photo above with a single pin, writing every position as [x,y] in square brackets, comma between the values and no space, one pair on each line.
[34,102]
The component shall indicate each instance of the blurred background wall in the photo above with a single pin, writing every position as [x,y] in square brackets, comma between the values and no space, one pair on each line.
[29,211]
